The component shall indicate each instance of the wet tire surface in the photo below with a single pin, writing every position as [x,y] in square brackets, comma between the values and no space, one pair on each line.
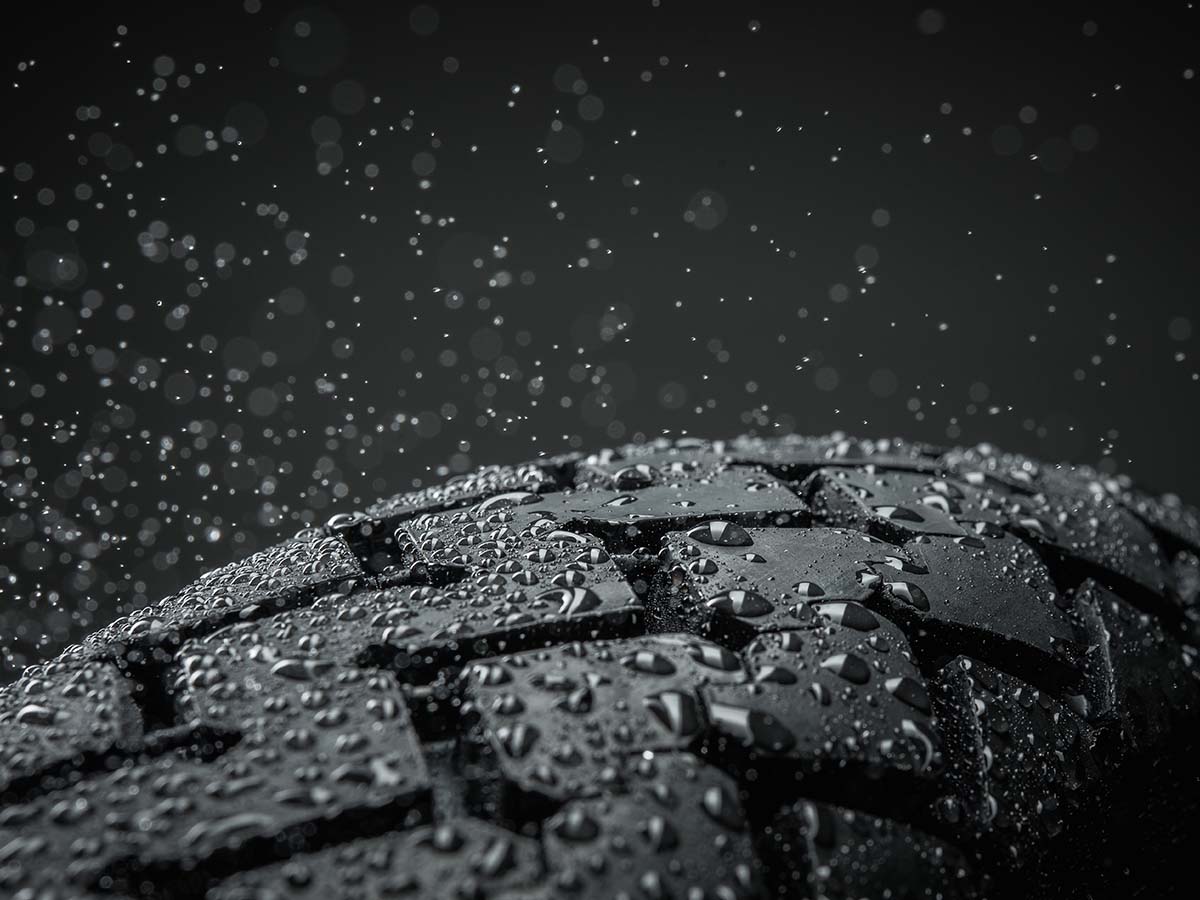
[804,667]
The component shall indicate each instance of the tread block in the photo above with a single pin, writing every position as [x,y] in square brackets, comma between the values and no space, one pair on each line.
[994,592]
[309,750]
[964,500]
[737,582]
[422,633]
[892,505]
[418,632]
[1014,470]
[312,737]
[823,851]
[229,680]
[304,743]
[635,467]
[532,549]
[525,583]
[1185,568]
[372,532]
[676,829]
[63,712]
[437,629]
[1154,685]
[1187,576]
[273,579]
[1071,511]
[460,490]
[1097,531]
[746,495]
[1031,766]
[796,453]
[529,582]
[457,859]
[561,721]
[1169,514]
[902,505]
[844,698]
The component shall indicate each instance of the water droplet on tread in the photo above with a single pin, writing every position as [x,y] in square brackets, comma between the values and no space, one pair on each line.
[747,604]
[721,534]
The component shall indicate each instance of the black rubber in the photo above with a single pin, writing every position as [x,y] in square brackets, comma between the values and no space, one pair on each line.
[704,671]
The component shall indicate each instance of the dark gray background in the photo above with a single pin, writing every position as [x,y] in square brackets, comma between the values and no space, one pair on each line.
[970,223]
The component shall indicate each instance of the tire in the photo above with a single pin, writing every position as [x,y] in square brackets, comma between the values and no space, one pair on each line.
[755,668]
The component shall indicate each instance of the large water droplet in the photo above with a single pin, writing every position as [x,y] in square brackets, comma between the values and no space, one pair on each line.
[517,740]
[575,825]
[909,593]
[898,514]
[848,666]
[753,727]
[721,534]
[748,604]
[714,657]
[649,662]
[572,600]
[676,711]
[722,806]
[505,501]
[849,615]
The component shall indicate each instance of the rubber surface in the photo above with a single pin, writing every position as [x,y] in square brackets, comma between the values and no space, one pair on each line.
[806,667]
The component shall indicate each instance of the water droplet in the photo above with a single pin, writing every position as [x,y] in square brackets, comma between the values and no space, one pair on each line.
[748,604]
[904,565]
[910,691]
[715,657]
[505,501]
[447,839]
[914,732]
[898,514]
[35,714]
[633,477]
[848,666]
[579,701]
[569,578]
[660,834]
[517,740]
[498,858]
[566,537]
[574,824]
[753,727]
[301,669]
[343,521]
[721,534]
[623,500]
[676,711]
[849,615]
[490,674]
[909,593]
[775,675]
[572,600]
[722,806]
[649,662]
